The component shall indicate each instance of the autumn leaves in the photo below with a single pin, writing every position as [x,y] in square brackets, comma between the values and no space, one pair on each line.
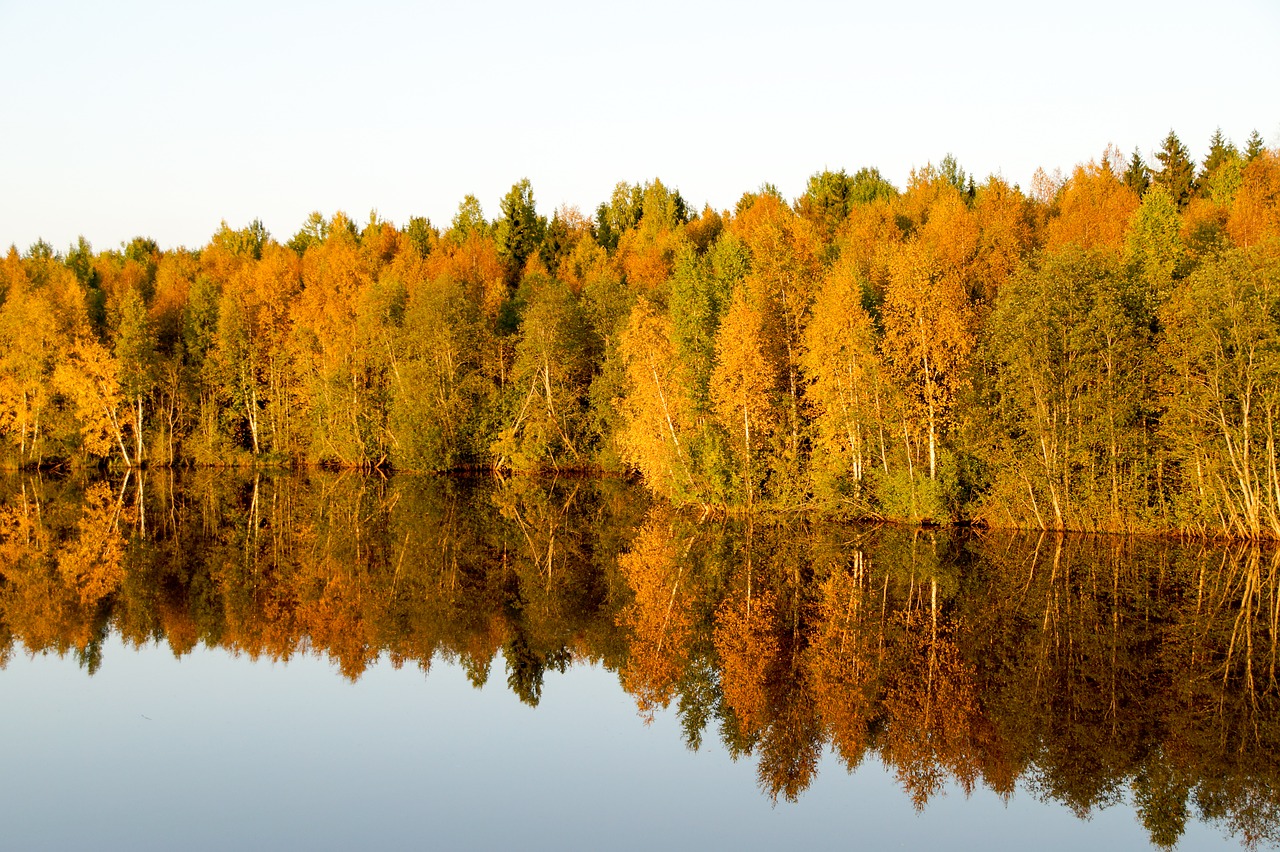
[779,386]
[953,350]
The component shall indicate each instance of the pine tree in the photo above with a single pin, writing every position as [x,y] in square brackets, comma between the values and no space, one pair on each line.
[520,231]
[1177,171]
[1253,147]
[1137,177]
[1220,153]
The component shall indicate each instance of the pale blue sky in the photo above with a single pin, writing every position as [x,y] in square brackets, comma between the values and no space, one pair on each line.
[162,119]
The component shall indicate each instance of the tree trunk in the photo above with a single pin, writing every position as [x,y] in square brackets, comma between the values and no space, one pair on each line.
[251,410]
[933,444]
[22,441]
[138,432]
[746,436]
[115,427]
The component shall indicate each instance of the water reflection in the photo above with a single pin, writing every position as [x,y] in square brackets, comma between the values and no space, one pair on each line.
[1091,669]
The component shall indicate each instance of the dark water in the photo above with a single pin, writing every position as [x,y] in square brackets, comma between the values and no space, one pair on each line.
[327,661]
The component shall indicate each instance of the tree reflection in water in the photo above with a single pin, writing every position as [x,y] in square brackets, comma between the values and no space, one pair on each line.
[1087,669]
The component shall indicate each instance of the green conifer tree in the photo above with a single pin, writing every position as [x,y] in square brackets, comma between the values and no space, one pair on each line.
[1177,171]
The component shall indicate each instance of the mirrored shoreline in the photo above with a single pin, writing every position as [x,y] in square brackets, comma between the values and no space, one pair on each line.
[1095,672]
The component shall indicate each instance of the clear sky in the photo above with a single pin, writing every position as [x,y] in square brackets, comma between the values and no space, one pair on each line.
[162,119]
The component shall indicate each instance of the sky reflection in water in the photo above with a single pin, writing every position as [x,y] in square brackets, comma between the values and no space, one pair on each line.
[213,752]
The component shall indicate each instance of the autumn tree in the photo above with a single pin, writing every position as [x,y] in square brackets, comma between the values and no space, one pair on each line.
[785,268]
[41,317]
[545,423]
[867,239]
[646,251]
[1255,209]
[656,407]
[927,319]
[272,296]
[1154,247]
[606,305]
[1072,348]
[438,388]
[700,289]
[1223,347]
[342,384]
[1093,208]
[470,256]
[136,355]
[744,387]
[703,230]
[89,377]
[1007,235]
[236,366]
[843,372]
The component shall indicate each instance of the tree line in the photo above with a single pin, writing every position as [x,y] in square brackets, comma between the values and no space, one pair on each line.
[1100,351]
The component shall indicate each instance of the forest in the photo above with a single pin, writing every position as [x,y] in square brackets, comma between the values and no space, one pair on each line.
[1097,352]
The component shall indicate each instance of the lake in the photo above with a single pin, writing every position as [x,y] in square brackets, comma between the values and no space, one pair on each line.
[322,660]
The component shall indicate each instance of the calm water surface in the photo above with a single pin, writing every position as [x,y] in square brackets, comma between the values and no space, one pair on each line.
[336,661]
